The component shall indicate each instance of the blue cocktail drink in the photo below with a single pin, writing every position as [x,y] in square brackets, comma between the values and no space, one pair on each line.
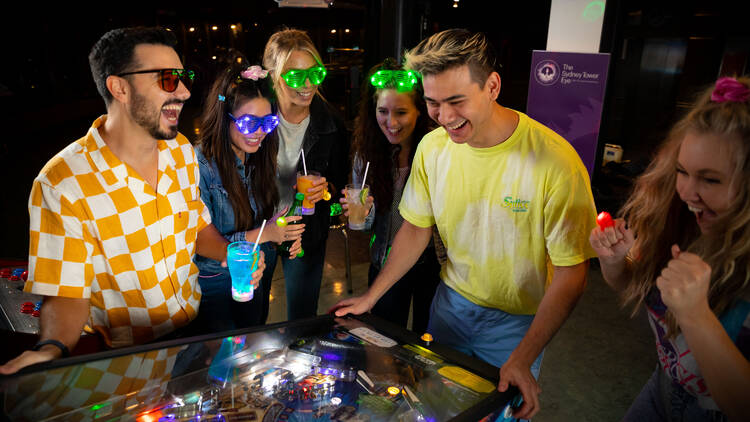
[242,262]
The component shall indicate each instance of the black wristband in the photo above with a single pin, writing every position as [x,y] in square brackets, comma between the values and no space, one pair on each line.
[63,348]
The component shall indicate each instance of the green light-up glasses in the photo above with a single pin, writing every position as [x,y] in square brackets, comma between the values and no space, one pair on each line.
[295,78]
[403,80]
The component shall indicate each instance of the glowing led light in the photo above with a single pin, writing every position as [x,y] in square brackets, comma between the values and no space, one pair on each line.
[191,29]
[336,401]
[346,30]
[192,398]
[98,406]
[233,26]
[214,27]
[333,31]
[213,57]
[150,417]
[270,381]
[393,390]
[455,4]
[593,11]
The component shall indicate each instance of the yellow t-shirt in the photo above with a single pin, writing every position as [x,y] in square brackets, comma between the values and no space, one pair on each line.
[505,213]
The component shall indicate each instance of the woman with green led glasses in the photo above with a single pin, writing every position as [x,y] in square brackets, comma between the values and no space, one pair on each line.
[392,119]
[309,125]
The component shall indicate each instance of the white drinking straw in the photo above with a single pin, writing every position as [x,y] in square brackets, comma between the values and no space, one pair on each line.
[304,166]
[259,234]
[367,167]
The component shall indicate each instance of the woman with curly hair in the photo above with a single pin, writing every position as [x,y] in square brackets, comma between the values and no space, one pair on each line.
[682,248]
[392,119]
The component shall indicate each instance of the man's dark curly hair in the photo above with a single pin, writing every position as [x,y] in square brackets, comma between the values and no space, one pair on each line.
[113,53]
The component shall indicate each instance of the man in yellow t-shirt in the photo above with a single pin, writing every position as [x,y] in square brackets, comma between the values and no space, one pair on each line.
[513,204]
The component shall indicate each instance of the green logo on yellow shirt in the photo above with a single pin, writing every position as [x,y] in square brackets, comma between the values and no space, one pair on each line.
[516,205]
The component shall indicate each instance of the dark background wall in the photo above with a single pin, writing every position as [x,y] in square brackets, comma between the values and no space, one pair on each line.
[661,53]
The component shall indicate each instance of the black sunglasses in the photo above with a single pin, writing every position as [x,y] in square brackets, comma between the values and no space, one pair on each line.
[169,79]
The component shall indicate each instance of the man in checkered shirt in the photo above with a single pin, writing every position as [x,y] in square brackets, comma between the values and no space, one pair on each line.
[116,217]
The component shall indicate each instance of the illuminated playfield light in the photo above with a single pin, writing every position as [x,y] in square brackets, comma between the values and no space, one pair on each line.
[393,390]
[192,29]
[336,401]
[333,31]
[214,27]
[346,30]
[233,26]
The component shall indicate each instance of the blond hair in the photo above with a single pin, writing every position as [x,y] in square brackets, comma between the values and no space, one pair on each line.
[281,45]
[452,48]
[659,218]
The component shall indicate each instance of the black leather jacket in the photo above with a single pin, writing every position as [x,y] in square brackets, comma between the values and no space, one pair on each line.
[326,145]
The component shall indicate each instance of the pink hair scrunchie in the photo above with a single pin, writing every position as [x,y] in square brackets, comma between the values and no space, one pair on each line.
[729,89]
[254,72]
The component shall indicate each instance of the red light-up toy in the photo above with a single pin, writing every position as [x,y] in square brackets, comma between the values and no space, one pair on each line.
[604,220]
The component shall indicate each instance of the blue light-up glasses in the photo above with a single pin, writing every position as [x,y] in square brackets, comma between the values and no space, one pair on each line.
[247,123]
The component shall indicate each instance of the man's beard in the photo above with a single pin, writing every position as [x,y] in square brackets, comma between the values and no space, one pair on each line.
[149,118]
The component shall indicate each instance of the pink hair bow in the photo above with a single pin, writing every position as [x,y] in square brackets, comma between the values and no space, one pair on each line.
[729,89]
[254,72]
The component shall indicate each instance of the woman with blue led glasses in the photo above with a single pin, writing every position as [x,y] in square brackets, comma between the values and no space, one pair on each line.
[307,123]
[237,159]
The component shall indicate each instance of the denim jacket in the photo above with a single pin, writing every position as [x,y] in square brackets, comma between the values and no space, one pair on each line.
[216,199]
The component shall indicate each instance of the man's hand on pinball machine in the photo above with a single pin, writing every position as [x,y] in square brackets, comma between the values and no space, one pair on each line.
[515,372]
[356,305]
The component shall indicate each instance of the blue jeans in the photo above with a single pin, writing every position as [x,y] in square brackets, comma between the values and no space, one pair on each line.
[302,277]
[487,333]
[663,400]
[218,311]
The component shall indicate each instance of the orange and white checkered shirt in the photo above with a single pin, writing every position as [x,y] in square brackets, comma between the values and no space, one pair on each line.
[99,231]
[93,390]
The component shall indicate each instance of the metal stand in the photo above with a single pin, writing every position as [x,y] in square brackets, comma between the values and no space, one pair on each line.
[349,282]
[347,257]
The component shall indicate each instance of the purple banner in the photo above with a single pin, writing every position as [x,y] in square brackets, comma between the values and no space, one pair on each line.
[566,93]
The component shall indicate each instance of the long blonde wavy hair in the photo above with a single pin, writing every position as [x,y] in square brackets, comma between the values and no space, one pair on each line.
[660,219]
[280,46]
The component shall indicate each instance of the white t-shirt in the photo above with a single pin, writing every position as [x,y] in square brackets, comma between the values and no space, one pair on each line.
[290,145]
